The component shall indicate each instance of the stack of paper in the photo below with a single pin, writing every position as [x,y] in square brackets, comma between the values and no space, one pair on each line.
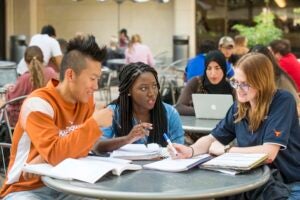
[138,152]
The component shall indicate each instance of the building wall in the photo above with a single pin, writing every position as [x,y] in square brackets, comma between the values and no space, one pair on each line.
[155,22]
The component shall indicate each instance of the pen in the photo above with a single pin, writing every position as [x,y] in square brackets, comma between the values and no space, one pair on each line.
[170,144]
[118,124]
[144,139]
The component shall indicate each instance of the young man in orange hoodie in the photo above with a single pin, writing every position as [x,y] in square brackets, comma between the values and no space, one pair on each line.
[58,121]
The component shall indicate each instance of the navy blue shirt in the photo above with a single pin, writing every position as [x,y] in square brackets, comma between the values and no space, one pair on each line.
[281,127]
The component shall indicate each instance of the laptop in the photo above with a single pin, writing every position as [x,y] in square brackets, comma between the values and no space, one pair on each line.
[211,106]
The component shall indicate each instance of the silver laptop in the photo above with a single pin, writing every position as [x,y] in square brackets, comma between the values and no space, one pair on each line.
[211,106]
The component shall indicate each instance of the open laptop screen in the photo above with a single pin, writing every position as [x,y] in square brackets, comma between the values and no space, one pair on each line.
[211,106]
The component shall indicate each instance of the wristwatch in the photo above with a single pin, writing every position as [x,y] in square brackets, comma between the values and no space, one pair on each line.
[226,148]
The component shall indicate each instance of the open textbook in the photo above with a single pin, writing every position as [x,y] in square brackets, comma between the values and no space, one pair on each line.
[233,163]
[138,152]
[88,169]
[178,165]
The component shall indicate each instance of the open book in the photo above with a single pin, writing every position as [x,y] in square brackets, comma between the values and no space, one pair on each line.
[235,162]
[88,169]
[177,165]
[138,152]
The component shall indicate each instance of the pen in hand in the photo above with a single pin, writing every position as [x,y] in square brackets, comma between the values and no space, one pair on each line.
[170,144]
[144,139]
[118,124]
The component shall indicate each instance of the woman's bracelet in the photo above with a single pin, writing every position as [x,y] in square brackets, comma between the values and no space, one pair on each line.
[192,151]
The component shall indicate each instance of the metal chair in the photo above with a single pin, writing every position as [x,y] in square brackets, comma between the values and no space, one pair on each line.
[104,85]
[171,78]
[6,132]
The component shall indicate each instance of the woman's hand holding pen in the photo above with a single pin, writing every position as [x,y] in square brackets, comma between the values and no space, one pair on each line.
[181,150]
[139,131]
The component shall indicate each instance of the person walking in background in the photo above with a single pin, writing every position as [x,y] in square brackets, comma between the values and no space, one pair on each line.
[36,77]
[262,120]
[49,46]
[213,81]
[287,60]
[282,79]
[138,52]
[139,113]
[58,121]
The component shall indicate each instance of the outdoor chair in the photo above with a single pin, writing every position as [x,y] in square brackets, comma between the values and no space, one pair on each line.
[104,85]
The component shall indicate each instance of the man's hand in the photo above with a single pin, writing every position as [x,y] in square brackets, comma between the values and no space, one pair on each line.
[36,160]
[103,117]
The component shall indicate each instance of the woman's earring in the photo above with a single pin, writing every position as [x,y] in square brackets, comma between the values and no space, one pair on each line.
[129,94]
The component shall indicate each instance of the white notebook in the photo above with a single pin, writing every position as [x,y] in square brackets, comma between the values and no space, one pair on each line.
[88,169]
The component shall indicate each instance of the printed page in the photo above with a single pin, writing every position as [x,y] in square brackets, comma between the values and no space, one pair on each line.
[88,169]
[177,165]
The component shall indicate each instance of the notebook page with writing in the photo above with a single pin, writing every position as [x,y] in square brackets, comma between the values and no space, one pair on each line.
[177,165]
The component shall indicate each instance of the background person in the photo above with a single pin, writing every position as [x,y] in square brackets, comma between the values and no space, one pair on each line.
[196,65]
[138,52]
[263,120]
[212,82]
[139,107]
[282,79]
[36,77]
[286,59]
[226,46]
[49,46]
[241,45]
[58,121]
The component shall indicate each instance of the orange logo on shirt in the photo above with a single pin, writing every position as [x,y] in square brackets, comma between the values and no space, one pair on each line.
[277,133]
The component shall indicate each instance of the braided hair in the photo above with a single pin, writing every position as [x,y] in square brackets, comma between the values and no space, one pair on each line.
[158,116]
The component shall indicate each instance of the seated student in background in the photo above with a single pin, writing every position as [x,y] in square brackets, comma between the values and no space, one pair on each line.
[286,59]
[241,46]
[138,52]
[196,65]
[36,77]
[139,112]
[58,121]
[262,120]
[226,46]
[212,82]
[282,79]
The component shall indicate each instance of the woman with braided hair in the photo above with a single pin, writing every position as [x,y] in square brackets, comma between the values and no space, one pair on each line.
[139,113]
[36,77]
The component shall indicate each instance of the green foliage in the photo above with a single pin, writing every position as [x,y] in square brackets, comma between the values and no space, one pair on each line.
[263,32]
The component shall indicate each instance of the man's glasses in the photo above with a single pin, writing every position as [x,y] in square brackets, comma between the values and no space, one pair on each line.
[243,86]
